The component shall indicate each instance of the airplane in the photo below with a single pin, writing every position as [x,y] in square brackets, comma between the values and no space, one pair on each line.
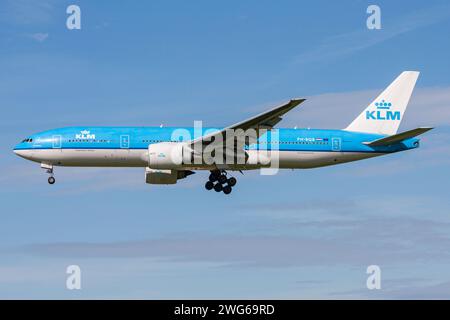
[167,159]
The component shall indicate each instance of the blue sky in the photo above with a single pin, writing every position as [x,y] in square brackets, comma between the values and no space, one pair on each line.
[299,234]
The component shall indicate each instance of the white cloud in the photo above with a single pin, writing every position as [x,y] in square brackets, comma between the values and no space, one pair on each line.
[348,242]
[414,289]
[350,42]
[28,12]
[39,37]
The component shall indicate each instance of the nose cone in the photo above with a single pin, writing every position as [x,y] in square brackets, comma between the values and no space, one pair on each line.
[26,154]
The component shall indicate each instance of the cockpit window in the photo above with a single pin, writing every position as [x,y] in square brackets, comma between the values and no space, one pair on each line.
[27,140]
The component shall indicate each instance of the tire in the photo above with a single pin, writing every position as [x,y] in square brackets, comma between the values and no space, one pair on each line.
[222,179]
[227,189]
[209,185]
[212,177]
[51,180]
[232,182]
[218,187]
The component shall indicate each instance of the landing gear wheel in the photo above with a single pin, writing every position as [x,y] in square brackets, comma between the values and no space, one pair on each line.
[227,189]
[232,182]
[213,177]
[222,179]
[209,185]
[218,187]
[51,180]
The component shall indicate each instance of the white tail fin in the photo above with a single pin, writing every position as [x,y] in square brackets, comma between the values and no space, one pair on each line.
[385,113]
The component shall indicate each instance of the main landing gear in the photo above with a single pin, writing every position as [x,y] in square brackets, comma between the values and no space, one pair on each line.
[49,170]
[219,182]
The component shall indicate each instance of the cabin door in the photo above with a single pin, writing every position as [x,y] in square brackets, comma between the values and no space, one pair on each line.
[124,153]
[335,144]
[57,142]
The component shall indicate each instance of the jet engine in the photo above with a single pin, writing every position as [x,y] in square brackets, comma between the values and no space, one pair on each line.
[168,155]
[158,176]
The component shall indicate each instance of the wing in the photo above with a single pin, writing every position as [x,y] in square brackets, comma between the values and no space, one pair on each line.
[265,120]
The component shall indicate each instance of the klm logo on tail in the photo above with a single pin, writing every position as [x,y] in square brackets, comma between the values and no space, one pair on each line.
[383,112]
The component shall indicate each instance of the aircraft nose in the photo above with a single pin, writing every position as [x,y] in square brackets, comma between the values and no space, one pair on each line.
[22,153]
[18,151]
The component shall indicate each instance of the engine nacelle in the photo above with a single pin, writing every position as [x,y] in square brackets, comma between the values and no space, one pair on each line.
[258,158]
[168,155]
[158,176]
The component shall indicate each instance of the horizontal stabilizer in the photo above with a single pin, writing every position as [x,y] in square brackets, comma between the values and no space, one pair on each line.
[396,138]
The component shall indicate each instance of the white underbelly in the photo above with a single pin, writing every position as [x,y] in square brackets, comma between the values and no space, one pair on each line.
[92,157]
[314,159]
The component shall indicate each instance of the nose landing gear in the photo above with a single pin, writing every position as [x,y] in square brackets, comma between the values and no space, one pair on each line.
[219,182]
[49,170]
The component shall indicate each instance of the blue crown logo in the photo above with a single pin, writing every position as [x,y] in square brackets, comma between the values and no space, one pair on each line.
[383,112]
[383,105]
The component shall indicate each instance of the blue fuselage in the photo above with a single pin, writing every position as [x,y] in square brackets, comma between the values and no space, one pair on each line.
[142,137]
[127,146]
